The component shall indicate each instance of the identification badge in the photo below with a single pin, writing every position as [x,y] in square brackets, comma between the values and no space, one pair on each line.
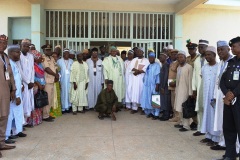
[94,69]
[67,71]
[7,76]
[236,75]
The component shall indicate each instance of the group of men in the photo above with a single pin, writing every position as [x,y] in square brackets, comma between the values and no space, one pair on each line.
[214,87]
[105,82]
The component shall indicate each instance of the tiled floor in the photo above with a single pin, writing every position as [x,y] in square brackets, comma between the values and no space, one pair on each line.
[131,137]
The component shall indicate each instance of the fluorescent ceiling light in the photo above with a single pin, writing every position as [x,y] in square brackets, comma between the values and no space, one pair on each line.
[224,2]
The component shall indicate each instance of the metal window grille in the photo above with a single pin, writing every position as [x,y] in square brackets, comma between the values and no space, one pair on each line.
[76,29]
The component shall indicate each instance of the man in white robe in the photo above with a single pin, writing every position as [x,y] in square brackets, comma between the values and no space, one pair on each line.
[196,83]
[138,68]
[65,64]
[96,79]
[128,73]
[113,69]
[79,79]
[224,55]
[26,66]
[209,74]
[15,117]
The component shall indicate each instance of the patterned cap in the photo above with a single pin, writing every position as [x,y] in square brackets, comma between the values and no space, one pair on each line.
[211,49]
[3,37]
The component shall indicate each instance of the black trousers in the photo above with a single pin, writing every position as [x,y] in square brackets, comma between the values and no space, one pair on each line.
[231,128]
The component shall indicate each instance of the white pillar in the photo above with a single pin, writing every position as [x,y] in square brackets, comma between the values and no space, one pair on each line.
[178,29]
[38,26]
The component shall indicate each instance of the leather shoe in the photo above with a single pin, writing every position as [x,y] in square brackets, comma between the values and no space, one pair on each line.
[218,148]
[133,112]
[198,134]
[163,118]
[183,129]
[20,134]
[206,140]
[178,126]
[48,120]
[6,147]
[13,137]
[9,141]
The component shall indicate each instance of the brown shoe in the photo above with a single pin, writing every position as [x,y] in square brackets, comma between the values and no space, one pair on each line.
[6,147]
[198,134]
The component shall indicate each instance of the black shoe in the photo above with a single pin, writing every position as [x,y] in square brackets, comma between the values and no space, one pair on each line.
[193,126]
[48,120]
[183,129]
[68,111]
[20,134]
[133,112]
[101,117]
[75,113]
[150,115]
[154,117]
[63,112]
[206,140]
[13,137]
[9,141]
[164,118]
[198,134]
[28,126]
[178,126]
[142,113]
[217,148]
[51,117]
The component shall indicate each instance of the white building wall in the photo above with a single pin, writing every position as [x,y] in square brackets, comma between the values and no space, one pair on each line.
[210,24]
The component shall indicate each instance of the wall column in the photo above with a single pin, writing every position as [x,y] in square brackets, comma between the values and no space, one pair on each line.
[178,29]
[38,26]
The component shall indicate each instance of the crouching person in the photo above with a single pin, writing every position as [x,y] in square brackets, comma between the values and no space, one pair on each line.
[106,102]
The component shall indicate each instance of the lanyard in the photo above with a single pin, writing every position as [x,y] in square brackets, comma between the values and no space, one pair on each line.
[66,64]
[5,64]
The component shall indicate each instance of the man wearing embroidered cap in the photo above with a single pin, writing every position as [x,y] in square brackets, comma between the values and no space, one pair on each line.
[138,68]
[26,67]
[51,76]
[196,83]
[183,90]
[127,77]
[113,69]
[230,86]
[72,54]
[209,75]
[79,83]
[8,89]
[65,68]
[224,55]
[151,83]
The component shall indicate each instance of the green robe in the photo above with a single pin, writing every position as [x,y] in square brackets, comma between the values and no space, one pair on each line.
[113,69]
[106,100]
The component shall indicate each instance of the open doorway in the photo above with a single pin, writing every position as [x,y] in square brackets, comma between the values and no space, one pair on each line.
[120,45]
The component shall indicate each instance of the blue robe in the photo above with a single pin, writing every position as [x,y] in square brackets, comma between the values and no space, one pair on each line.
[16,112]
[209,74]
[65,82]
[151,78]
